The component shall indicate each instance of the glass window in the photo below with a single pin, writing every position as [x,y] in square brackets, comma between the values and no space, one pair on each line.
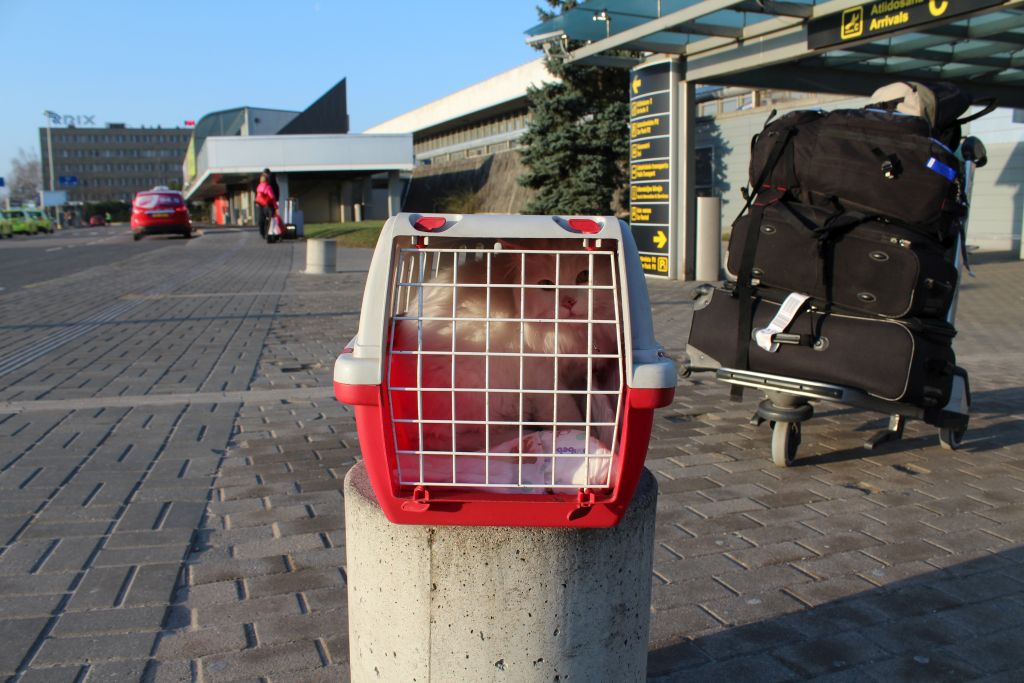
[705,168]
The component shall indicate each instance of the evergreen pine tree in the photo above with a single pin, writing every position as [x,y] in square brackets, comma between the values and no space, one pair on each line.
[575,150]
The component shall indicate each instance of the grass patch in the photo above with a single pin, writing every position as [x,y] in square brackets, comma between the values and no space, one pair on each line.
[355,234]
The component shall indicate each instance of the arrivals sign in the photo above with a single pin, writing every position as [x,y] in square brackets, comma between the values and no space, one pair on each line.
[651,162]
[885,16]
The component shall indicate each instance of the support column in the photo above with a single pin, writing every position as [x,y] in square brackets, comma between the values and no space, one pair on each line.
[394,193]
[282,201]
[686,189]
[347,213]
[462,603]
[321,257]
[709,239]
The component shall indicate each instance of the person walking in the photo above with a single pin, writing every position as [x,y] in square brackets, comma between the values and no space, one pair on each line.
[266,204]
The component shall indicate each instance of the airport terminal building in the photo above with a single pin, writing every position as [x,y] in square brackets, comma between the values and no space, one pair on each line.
[333,176]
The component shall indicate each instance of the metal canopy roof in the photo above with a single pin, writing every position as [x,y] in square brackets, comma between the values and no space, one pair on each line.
[978,44]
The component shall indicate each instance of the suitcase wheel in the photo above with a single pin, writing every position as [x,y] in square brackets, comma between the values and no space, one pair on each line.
[785,441]
[951,438]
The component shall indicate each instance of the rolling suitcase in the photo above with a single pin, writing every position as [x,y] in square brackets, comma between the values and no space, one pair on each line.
[849,260]
[908,361]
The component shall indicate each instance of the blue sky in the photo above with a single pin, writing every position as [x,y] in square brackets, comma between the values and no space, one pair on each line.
[160,63]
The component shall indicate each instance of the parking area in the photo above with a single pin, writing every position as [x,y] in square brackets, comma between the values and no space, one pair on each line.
[174,459]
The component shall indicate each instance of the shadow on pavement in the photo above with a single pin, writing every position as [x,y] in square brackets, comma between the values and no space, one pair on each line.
[954,624]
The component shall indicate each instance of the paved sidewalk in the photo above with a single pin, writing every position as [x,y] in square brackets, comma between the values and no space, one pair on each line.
[172,479]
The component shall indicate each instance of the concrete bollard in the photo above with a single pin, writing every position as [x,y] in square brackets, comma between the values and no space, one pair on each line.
[709,239]
[461,603]
[321,256]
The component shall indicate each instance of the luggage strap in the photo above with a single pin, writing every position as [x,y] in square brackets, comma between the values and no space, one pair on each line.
[989,104]
[744,288]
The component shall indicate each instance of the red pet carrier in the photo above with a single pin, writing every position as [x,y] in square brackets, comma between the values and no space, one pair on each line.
[505,371]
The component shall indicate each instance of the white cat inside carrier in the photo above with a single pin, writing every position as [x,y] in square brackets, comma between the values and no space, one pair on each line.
[504,349]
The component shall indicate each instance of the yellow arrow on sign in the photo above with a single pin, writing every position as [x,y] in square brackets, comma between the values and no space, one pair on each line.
[660,239]
[636,85]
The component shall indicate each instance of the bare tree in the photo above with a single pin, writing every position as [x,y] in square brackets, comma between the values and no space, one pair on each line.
[26,177]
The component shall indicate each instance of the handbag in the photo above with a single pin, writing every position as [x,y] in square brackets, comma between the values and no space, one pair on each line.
[275,226]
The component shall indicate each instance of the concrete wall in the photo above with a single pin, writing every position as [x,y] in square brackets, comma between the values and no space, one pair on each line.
[997,207]
[482,184]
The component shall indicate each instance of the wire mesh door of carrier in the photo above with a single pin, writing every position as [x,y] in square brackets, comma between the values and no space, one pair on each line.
[506,365]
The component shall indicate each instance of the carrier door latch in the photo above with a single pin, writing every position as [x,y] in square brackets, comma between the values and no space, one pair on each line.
[585,501]
[420,500]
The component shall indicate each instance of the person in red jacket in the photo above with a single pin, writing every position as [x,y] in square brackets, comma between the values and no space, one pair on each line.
[266,204]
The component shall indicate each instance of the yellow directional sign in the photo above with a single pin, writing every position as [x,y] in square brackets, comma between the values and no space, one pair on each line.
[885,16]
[636,85]
[660,239]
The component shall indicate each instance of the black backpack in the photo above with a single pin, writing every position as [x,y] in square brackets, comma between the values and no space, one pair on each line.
[871,161]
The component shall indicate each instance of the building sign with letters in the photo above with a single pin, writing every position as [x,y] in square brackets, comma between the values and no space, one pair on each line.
[79,120]
[885,16]
[651,163]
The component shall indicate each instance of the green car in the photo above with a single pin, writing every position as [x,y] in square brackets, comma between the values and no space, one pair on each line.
[27,221]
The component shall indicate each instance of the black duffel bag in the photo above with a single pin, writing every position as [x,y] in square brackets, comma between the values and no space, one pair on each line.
[846,259]
[906,361]
[871,161]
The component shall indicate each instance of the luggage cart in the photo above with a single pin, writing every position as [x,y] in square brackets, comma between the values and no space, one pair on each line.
[788,400]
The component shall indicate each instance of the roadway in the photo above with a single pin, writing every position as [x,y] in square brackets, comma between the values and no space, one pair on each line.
[27,260]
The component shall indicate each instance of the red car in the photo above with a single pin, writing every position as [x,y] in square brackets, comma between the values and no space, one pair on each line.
[97,220]
[160,211]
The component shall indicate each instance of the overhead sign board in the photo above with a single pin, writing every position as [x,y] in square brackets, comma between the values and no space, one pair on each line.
[885,16]
[54,198]
[67,180]
[651,163]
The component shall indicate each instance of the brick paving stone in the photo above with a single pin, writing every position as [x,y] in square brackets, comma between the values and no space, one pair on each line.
[914,635]
[828,654]
[277,546]
[895,553]
[93,648]
[260,661]
[185,644]
[935,667]
[991,653]
[746,609]
[883,576]
[815,593]
[755,667]
[109,621]
[57,674]
[767,555]
[667,624]
[17,635]
[225,569]
[246,611]
[779,533]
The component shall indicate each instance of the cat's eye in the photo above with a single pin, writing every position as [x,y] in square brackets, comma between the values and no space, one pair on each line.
[548,285]
[583,277]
